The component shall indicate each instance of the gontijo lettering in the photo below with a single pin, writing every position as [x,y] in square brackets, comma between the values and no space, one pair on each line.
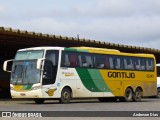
[121,75]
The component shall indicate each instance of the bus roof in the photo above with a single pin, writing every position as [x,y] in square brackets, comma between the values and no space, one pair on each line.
[42,48]
[90,50]
[110,51]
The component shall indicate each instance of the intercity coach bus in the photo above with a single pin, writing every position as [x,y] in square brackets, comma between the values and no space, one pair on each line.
[43,73]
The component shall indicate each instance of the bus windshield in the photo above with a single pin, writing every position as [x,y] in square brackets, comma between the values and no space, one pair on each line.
[24,67]
[25,72]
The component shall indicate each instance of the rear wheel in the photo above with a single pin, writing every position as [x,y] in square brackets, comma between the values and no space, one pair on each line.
[65,96]
[137,95]
[39,101]
[158,93]
[128,96]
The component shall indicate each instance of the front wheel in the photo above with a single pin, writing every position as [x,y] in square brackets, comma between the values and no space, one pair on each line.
[65,96]
[137,95]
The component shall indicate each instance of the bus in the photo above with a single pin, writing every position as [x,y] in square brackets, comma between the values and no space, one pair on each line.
[61,73]
[158,80]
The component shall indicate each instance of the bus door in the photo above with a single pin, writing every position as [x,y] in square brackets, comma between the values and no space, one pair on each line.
[49,73]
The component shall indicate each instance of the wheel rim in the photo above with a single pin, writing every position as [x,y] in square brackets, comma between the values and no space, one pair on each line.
[138,95]
[66,95]
[128,94]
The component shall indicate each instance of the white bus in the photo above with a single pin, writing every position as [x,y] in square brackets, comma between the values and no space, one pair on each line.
[63,73]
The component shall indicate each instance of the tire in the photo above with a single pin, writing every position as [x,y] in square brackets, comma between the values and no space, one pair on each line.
[39,101]
[158,93]
[128,96]
[65,96]
[137,95]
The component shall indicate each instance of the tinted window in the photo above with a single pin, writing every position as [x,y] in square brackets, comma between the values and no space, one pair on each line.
[115,62]
[85,60]
[69,59]
[150,64]
[128,63]
[101,61]
[53,56]
[139,64]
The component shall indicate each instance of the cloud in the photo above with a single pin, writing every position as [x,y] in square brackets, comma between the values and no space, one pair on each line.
[120,21]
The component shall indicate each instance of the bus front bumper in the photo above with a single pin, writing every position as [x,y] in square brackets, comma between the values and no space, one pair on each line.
[26,94]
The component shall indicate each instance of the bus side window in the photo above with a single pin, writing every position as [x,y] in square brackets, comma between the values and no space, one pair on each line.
[111,65]
[149,64]
[79,64]
[128,63]
[142,63]
[137,63]
[73,60]
[99,61]
[106,63]
[115,62]
[65,60]
[83,61]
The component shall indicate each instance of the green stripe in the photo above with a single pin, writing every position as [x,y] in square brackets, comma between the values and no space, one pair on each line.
[74,49]
[87,79]
[27,87]
[98,80]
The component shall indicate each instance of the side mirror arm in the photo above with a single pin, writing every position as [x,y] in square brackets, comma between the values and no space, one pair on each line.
[5,65]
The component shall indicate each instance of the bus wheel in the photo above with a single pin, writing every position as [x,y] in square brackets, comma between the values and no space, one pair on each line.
[137,95]
[158,93]
[65,96]
[39,101]
[128,95]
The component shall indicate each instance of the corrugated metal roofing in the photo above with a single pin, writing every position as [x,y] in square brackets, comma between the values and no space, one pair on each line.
[99,43]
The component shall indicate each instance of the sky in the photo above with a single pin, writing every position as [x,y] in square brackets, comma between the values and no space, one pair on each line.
[129,22]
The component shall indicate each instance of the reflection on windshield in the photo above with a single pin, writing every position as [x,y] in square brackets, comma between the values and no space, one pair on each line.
[31,74]
[25,72]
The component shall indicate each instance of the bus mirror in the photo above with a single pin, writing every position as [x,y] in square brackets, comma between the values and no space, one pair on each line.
[5,65]
[39,63]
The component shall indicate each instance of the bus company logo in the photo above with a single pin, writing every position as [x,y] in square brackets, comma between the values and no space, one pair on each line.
[50,92]
[121,75]
[67,74]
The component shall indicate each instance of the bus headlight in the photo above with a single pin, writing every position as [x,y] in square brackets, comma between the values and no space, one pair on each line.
[36,87]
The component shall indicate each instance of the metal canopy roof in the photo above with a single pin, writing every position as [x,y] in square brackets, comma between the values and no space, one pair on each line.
[23,39]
